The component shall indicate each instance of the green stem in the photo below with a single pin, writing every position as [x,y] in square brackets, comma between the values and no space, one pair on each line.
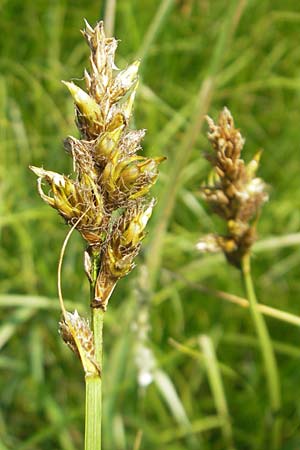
[217,387]
[93,404]
[267,351]
[93,383]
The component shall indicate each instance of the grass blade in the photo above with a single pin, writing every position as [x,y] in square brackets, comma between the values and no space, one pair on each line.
[217,388]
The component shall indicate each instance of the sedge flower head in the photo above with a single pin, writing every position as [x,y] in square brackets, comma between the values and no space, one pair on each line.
[111,183]
[233,191]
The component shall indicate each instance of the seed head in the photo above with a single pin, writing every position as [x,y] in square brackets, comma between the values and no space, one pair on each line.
[233,192]
[110,181]
[77,334]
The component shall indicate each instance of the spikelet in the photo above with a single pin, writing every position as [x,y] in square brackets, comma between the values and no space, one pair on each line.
[77,334]
[111,181]
[124,245]
[233,191]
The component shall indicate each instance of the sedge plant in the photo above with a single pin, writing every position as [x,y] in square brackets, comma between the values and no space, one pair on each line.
[236,195]
[106,200]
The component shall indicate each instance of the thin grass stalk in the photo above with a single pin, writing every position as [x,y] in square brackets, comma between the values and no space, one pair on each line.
[241,340]
[267,351]
[217,388]
[92,440]
[138,440]
[275,313]
[154,28]
[202,425]
[109,16]
[93,383]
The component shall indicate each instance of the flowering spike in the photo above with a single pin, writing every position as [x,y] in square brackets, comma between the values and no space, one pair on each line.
[233,192]
[110,180]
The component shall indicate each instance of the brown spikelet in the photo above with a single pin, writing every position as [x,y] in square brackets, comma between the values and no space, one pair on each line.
[77,334]
[233,192]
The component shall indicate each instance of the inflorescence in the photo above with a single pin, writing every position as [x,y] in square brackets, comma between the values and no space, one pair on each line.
[233,192]
[111,180]
[107,198]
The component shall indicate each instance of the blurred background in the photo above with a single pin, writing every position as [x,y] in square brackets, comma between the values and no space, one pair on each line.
[182,367]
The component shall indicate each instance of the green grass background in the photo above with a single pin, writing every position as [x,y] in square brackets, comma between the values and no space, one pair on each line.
[197,56]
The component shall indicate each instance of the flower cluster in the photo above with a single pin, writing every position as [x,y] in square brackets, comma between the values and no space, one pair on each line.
[77,334]
[233,192]
[111,182]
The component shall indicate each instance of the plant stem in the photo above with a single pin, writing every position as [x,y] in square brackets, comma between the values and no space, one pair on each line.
[217,387]
[109,16]
[93,404]
[93,383]
[267,351]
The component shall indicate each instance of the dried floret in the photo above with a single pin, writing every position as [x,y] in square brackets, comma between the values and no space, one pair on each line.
[77,334]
